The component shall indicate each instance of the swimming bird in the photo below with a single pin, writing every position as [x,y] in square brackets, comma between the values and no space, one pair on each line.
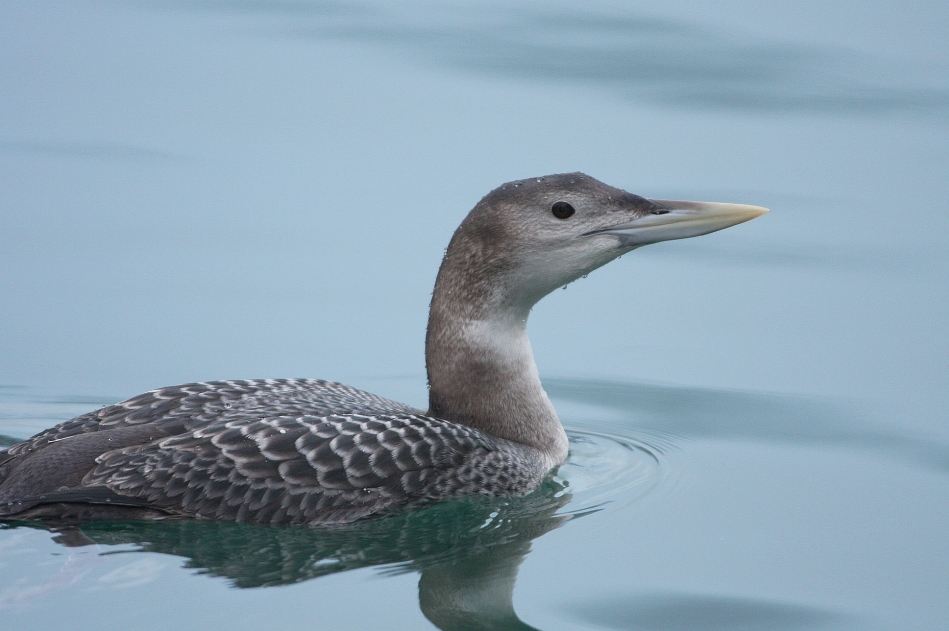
[305,451]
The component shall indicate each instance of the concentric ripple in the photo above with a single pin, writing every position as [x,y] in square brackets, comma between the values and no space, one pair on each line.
[606,469]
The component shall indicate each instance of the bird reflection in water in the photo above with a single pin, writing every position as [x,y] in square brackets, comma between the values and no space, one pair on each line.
[467,551]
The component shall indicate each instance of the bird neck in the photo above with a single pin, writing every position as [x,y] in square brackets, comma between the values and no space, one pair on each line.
[481,369]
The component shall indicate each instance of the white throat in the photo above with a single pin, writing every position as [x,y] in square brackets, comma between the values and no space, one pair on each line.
[482,374]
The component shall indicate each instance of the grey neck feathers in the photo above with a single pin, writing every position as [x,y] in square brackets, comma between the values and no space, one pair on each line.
[481,370]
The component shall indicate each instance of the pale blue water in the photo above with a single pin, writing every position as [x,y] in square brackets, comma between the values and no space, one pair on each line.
[760,435]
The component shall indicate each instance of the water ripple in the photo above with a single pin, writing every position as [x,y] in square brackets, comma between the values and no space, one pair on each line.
[685,612]
[606,468]
[665,62]
[683,413]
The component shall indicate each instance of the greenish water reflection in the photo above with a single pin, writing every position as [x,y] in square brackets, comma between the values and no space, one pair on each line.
[467,551]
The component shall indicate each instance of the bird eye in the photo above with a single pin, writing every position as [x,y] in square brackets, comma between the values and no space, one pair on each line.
[659,211]
[562,210]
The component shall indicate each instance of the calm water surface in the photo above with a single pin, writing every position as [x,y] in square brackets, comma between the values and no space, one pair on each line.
[264,188]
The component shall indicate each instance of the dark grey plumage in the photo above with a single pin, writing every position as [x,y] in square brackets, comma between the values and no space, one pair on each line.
[276,451]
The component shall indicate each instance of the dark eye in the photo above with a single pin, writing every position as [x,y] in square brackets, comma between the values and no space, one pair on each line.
[562,210]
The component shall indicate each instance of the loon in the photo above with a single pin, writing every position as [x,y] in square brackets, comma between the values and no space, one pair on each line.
[306,451]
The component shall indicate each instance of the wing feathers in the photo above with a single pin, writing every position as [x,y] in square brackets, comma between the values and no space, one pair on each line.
[285,451]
